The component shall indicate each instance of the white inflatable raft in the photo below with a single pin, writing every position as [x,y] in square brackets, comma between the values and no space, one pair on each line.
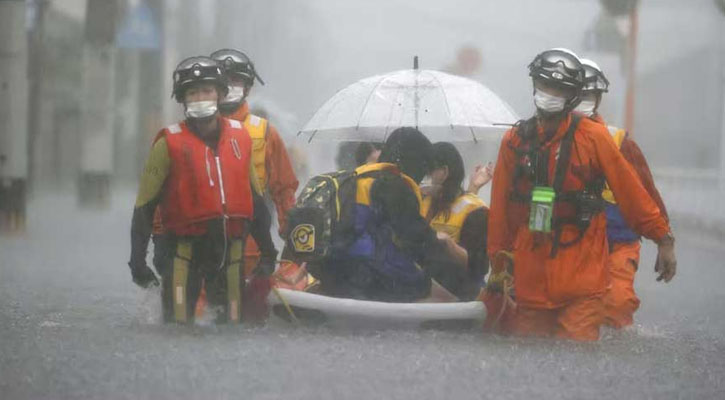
[334,308]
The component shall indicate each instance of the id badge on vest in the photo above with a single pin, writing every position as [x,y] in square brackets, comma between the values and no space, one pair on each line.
[542,209]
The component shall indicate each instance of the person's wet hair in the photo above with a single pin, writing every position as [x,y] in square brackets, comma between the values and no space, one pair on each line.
[410,150]
[446,155]
[364,150]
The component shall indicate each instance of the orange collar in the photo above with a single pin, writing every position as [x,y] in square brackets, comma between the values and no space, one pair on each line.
[598,118]
[560,131]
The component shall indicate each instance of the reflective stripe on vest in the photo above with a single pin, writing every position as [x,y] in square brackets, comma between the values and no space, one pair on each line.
[257,128]
[204,184]
[460,209]
[618,135]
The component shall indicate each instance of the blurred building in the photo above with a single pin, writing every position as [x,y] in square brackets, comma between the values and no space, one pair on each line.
[306,51]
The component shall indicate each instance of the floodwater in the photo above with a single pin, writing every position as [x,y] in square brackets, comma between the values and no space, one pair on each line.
[72,325]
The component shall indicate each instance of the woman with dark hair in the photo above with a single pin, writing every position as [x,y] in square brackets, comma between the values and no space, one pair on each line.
[460,218]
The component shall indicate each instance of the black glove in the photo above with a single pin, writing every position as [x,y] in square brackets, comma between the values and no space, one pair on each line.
[266,265]
[142,275]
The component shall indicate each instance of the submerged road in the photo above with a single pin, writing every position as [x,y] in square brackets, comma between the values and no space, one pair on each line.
[73,326]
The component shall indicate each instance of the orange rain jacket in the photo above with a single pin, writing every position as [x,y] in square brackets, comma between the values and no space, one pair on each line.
[281,180]
[578,270]
[632,153]
[621,302]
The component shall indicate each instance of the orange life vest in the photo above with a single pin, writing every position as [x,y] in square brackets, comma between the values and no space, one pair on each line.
[578,197]
[206,183]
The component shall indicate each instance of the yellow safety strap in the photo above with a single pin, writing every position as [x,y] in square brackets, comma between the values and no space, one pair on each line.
[180,280]
[234,279]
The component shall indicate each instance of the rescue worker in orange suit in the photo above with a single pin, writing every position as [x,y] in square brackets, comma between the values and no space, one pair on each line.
[271,161]
[620,302]
[547,219]
[200,174]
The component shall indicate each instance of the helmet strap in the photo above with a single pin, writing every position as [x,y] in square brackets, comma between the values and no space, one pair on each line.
[247,90]
[549,116]
[598,102]
[230,108]
[572,103]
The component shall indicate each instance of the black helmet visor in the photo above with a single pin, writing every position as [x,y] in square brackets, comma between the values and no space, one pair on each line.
[595,81]
[559,60]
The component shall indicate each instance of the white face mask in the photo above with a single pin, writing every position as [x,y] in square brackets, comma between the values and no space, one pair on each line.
[200,109]
[548,103]
[235,95]
[587,107]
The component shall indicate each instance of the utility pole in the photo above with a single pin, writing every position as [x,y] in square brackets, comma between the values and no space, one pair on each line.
[13,115]
[171,14]
[151,90]
[37,103]
[625,14]
[97,141]
[721,6]
[631,68]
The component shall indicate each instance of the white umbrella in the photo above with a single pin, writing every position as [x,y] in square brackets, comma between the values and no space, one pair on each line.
[444,107]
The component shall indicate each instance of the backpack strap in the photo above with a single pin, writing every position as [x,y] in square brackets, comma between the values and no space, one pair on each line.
[525,130]
[562,165]
[539,157]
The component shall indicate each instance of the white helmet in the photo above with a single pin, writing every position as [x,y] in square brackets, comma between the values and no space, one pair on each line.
[594,78]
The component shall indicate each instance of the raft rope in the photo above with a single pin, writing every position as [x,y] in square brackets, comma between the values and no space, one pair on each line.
[507,299]
[505,279]
[286,305]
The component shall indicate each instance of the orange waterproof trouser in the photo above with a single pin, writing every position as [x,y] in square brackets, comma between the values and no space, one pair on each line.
[250,263]
[499,312]
[621,302]
[251,256]
[579,320]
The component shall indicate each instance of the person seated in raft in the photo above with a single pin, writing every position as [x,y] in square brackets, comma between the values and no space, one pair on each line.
[386,253]
[460,218]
